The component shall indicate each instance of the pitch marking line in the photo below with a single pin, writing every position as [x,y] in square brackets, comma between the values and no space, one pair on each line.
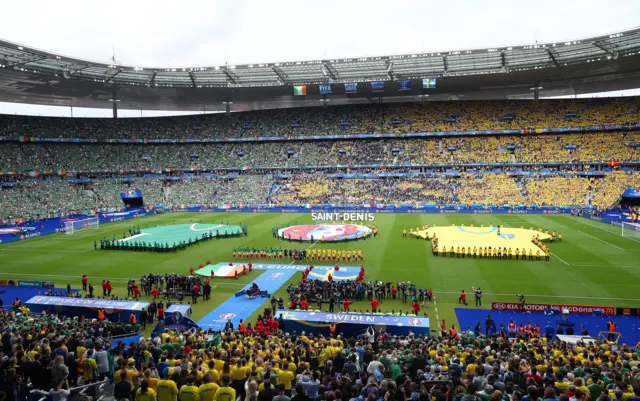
[635,266]
[554,296]
[554,255]
[603,241]
[42,250]
[580,220]
[560,259]
[243,285]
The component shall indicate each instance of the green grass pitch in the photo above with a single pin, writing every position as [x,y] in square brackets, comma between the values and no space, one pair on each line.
[593,265]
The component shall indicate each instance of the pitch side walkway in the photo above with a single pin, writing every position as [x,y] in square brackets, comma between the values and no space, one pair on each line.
[236,308]
[628,326]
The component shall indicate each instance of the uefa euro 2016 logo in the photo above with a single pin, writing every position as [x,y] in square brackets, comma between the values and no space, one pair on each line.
[326,232]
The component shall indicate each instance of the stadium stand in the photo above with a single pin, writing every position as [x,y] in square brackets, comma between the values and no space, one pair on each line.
[392,118]
[49,178]
[245,362]
[55,158]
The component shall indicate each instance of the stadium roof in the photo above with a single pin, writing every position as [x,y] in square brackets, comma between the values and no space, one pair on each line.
[602,63]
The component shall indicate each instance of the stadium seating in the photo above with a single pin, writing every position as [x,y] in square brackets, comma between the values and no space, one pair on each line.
[396,118]
[199,362]
[42,171]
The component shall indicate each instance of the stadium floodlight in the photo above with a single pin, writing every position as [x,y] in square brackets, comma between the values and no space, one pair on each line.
[71,226]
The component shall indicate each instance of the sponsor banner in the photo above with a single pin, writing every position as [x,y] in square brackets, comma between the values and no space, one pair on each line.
[87,302]
[353,324]
[30,283]
[577,309]
[4,283]
[332,209]
[628,311]
[302,90]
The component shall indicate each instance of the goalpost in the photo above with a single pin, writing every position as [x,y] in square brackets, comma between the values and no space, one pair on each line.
[89,223]
[630,230]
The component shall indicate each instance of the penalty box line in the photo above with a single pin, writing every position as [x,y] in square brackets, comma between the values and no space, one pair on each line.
[580,220]
[554,255]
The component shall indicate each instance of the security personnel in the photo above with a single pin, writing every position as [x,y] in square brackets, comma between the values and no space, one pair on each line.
[453,333]
[611,328]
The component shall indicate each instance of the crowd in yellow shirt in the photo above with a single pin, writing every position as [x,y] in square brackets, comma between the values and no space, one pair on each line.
[566,189]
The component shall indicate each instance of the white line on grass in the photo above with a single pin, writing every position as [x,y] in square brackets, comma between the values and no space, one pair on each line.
[580,220]
[42,250]
[635,266]
[560,259]
[554,255]
[242,285]
[310,246]
[116,278]
[553,296]
[603,241]
[96,277]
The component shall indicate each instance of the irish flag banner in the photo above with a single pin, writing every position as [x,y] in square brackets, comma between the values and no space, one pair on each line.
[300,90]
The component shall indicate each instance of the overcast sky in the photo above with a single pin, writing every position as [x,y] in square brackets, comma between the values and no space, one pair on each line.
[163,33]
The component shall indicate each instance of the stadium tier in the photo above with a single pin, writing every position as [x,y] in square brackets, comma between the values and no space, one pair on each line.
[310,122]
[31,198]
[576,169]
[505,149]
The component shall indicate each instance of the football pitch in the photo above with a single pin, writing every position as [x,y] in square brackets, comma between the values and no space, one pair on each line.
[592,265]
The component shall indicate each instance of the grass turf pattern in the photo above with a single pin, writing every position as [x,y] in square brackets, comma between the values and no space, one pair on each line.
[593,265]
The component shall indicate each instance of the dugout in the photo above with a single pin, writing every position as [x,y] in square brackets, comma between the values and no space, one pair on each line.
[132,198]
[116,311]
[630,198]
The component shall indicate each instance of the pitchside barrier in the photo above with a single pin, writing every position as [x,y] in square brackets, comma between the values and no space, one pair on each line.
[353,324]
[116,311]
[554,309]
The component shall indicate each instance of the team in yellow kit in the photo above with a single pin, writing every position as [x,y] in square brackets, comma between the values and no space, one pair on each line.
[334,255]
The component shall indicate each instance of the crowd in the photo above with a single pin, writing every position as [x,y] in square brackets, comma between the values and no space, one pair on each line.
[565,148]
[41,197]
[379,118]
[264,363]
[31,198]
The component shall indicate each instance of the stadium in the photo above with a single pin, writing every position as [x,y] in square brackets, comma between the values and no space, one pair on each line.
[447,224]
